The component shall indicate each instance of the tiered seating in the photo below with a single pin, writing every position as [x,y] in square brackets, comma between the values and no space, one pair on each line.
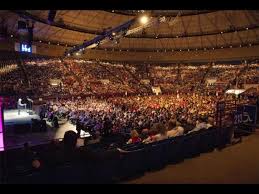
[112,166]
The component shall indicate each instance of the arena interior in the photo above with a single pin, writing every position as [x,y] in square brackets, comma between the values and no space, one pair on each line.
[129,96]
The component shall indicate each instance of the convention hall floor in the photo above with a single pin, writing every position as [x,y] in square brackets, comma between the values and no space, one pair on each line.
[234,164]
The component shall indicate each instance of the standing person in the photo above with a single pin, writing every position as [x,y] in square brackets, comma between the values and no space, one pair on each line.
[20,105]
[107,127]
[30,101]
[78,127]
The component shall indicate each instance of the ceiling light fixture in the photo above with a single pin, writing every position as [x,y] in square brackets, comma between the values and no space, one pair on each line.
[144,19]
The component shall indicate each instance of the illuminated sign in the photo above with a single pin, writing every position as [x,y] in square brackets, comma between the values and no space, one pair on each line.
[26,48]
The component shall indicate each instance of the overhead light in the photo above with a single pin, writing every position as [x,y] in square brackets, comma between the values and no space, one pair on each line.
[68,54]
[58,44]
[66,45]
[112,11]
[172,50]
[230,46]
[113,33]
[240,45]
[222,47]
[204,48]
[11,35]
[246,28]
[40,41]
[250,44]
[165,50]
[157,51]
[188,50]
[176,36]
[213,48]
[221,32]
[196,49]
[77,54]
[180,49]
[48,42]
[144,19]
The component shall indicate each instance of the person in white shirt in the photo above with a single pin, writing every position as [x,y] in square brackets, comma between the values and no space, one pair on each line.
[201,124]
[162,132]
[174,129]
[20,105]
[161,135]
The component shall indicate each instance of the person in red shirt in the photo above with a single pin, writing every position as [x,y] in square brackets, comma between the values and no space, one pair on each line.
[134,137]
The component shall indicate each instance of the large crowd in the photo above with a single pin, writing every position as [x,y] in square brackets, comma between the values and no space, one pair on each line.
[122,115]
[80,77]
[106,99]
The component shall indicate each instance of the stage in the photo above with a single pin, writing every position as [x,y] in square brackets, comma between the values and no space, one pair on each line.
[11,117]
[14,140]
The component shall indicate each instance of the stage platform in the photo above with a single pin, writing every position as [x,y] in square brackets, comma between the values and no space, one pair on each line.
[11,117]
[15,140]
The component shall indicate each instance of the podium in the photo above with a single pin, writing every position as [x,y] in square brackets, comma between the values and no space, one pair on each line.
[30,103]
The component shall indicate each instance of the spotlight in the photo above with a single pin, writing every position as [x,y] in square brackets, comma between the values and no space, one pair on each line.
[40,41]
[68,54]
[221,32]
[11,35]
[246,28]
[77,54]
[144,19]
[113,33]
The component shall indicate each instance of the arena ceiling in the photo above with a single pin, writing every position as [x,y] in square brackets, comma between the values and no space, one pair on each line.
[182,30]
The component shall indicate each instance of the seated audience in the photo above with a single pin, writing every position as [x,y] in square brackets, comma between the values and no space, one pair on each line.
[134,137]
[174,129]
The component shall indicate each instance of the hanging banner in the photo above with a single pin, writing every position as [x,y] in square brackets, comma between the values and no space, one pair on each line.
[156,90]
